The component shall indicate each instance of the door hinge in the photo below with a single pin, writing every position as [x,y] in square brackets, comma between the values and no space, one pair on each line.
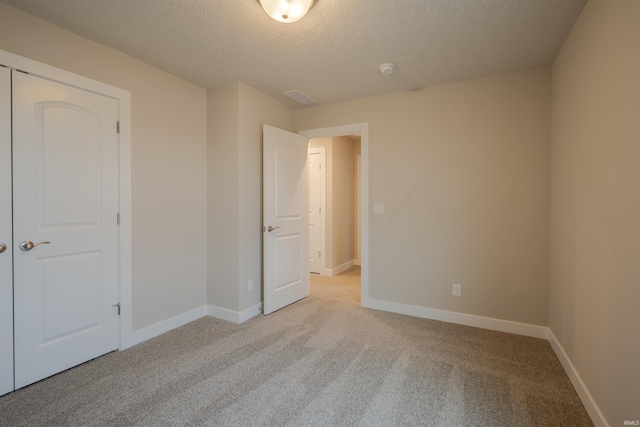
[117,305]
[118,126]
[319,254]
[118,218]
[319,210]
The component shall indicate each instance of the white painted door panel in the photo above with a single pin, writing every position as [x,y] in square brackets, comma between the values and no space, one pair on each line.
[316,212]
[65,175]
[285,209]
[6,275]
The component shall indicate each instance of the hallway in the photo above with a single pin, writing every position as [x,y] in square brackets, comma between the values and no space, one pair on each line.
[343,287]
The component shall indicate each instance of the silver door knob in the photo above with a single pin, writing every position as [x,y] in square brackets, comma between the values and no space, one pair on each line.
[3,247]
[270,228]
[27,245]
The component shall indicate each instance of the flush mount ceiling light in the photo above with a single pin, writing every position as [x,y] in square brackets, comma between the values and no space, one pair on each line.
[286,11]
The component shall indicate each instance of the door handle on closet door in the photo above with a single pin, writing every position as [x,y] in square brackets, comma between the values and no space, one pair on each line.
[3,247]
[27,245]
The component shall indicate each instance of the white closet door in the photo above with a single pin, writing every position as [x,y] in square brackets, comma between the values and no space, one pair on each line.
[6,280]
[65,201]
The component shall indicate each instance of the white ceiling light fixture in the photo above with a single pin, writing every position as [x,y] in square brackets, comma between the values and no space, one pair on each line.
[286,11]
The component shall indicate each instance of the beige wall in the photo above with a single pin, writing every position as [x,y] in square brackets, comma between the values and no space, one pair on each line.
[595,208]
[463,169]
[340,198]
[168,162]
[256,109]
[236,115]
[357,179]
[327,143]
[223,197]
[343,166]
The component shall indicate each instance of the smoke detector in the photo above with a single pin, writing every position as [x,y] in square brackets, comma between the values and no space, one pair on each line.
[387,68]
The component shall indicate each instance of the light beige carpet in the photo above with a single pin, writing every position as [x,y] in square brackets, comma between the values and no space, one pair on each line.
[322,361]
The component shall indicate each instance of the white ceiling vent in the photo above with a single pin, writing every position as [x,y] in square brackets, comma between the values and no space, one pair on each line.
[299,97]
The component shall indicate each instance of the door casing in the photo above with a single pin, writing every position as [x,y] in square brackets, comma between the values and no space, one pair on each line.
[6,237]
[317,192]
[361,129]
[13,61]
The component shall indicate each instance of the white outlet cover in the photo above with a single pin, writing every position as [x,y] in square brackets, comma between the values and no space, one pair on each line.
[378,208]
[457,289]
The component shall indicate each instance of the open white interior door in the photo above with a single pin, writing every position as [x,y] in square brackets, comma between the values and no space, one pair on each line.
[285,218]
[6,262]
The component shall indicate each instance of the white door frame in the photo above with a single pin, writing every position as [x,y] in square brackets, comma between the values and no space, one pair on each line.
[30,66]
[6,237]
[323,202]
[363,130]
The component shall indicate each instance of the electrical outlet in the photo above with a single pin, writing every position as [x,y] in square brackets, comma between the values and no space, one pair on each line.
[250,285]
[457,290]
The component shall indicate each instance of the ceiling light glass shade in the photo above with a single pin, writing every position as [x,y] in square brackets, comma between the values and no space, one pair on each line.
[286,11]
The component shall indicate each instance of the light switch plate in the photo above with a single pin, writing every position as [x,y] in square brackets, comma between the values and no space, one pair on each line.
[378,208]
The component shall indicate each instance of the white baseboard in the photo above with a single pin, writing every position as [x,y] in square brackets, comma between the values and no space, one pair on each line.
[508,326]
[525,329]
[587,400]
[189,316]
[250,312]
[339,269]
[167,325]
[234,316]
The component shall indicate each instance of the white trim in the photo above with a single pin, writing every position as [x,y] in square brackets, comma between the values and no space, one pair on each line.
[56,74]
[126,229]
[339,269]
[508,326]
[361,129]
[323,204]
[249,313]
[6,237]
[124,101]
[587,400]
[234,316]
[182,319]
[223,313]
[167,325]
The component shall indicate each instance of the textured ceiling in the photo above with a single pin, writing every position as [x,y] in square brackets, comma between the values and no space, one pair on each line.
[334,52]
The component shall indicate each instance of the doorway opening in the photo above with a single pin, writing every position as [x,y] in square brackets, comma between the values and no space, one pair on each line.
[338,180]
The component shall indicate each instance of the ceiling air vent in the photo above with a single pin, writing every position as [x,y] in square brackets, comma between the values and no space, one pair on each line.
[299,97]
